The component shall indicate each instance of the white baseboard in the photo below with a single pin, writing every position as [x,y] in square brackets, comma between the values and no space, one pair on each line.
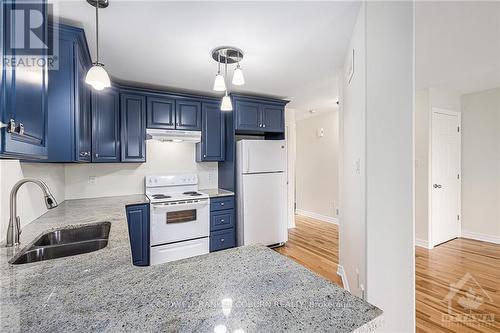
[480,237]
[422,243]
[317,216]
[341,273]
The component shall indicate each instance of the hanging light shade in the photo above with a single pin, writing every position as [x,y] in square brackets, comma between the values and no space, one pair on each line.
[219,84]
[226,104]
[97,76]
[238,78]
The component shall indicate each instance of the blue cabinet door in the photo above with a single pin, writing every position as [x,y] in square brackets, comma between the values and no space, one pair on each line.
[273,119]
[188,115]
[138,231]
[160,112]
[24,90]
[248,116]
[106,125]
[84,115]
[69,118]
[133,128]
[212,145]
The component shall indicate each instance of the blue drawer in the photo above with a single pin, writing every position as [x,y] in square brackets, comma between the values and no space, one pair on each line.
[222,219]
[221,203]
[223,239]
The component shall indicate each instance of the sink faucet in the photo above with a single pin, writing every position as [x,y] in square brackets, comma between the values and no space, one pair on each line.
[14,229]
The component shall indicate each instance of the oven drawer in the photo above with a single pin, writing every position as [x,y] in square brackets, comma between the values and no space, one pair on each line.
[177,251]
[222,219]
[221,203]
[223,239]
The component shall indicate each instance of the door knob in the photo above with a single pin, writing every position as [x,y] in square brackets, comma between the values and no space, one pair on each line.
[436,186]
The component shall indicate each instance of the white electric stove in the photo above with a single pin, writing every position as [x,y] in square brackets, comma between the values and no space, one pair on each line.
[179,217]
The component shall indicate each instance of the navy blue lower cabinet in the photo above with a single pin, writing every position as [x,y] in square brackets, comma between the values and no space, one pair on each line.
[222,223]
[213,135]
[138,231]
[106,125]
[133,128]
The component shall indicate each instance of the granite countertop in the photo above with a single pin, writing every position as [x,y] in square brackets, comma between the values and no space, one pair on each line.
[217,192]
[103,291]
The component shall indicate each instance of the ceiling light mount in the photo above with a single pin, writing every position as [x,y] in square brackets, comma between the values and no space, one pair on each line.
[220,54]
[102,3]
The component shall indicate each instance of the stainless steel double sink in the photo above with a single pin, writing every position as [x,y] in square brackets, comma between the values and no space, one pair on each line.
[65,242]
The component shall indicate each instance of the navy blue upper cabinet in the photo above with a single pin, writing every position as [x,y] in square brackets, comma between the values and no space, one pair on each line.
[69,114]
[188,115]
[248,115]
[24,92]
[133,127]
[160,112]
[255,114]
[273,118]
[106,125]
[212,145]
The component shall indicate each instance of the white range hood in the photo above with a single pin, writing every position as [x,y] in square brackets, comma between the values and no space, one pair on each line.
[173,135]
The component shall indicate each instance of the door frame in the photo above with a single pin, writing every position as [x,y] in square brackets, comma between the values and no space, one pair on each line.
[434,110]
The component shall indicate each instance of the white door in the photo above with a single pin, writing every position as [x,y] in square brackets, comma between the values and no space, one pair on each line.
[445,176]
[263,209]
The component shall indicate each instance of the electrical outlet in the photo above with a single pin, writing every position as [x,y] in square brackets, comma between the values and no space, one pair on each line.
[358,166]
[92,180]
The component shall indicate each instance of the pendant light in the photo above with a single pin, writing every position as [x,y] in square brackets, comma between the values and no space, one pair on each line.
[97,76]
[226,104]
[219,83]
[238,78]
[227,55]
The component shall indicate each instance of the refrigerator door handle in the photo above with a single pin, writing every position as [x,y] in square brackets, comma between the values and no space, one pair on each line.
[247,152]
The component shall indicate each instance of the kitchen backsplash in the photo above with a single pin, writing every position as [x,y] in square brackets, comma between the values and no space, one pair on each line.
[109,179]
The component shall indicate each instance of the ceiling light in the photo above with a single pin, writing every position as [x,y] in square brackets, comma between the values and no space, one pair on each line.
[97,76]
[227,55]
[226,104]
[219,84]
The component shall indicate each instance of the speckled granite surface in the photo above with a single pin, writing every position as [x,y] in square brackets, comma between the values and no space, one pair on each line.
[102,291]
[217,192]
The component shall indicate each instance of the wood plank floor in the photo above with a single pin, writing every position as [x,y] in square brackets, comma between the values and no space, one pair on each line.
[314,244]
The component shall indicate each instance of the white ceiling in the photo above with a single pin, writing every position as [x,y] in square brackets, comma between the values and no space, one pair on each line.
[293,50]
[458,45]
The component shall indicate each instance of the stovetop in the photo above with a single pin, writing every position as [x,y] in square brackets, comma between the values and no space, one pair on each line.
[171,197]
[170,188]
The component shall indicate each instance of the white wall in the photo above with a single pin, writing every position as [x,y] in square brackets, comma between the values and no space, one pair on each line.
[481,165]
[389,162]
[377,217]
[122,179]
[425,100]
[317,159]
[290,136]
[30,204]
[352,219]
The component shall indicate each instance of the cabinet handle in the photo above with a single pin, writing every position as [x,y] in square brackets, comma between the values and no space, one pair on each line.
[222,220]
[260,125]
[10,126]
[83,153]
[264,125]
[222,204]
[20,129]
[222,240]
[96,155]
[204,155]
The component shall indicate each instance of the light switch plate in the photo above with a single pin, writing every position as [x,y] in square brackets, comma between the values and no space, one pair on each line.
[92,180]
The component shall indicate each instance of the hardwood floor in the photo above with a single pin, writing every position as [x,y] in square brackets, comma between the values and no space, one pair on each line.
[448,263]
[314,244]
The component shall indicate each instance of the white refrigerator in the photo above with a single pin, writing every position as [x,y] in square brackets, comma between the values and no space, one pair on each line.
[261,192]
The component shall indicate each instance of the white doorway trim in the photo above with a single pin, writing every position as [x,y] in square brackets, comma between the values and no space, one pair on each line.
[431,241]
